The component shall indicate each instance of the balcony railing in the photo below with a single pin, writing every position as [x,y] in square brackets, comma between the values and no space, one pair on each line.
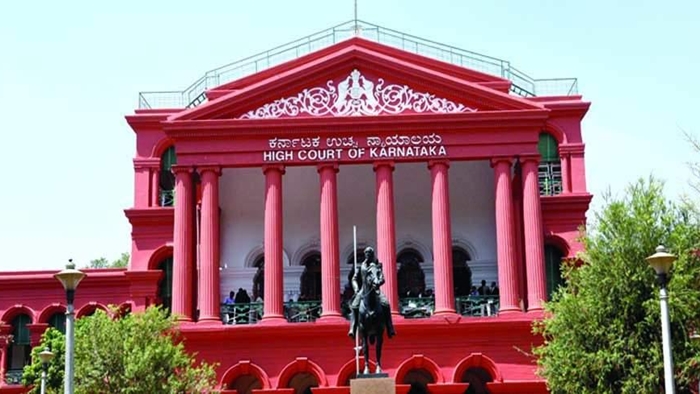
[309,311]
[194,95]
[166,198]
[13,376]
[294,312]
[474,306]
[549,177]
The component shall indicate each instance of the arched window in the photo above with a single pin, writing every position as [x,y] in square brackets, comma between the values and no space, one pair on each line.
[58,321]
[165,286]
[461,273]
[259,278]
[552,263]
[477,379]
[549,174]
[311,277]
[167,178]
[302,383]
[19,352]
[245,384]
[410,274]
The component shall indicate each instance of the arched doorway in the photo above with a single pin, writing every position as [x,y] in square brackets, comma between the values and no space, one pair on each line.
[259,279]
[302,383]
[477,379]
[419,380]
[311,278]
[411,277]
[165,286]
[461,273]
[552,262]
[245,384]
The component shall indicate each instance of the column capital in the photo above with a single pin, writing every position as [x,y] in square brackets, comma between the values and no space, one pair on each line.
[181,169]
[273,167]
[385,163]
[496,160]
[331,165]
[572,148]
[432,163]
[209,168]
[146,163]
[529,159]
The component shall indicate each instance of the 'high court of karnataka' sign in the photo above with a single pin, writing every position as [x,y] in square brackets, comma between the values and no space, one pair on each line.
[349,148]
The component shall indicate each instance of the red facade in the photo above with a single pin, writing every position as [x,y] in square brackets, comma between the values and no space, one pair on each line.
[276,119]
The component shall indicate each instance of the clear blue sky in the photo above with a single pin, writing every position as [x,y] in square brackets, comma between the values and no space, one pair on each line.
[70,71]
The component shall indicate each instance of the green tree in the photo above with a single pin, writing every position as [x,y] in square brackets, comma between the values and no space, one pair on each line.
[56,342]
[602,331]
[139,353]
[102,262]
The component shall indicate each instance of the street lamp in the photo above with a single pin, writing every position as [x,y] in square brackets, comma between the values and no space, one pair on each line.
[661,262]
[45,356]
[69,278]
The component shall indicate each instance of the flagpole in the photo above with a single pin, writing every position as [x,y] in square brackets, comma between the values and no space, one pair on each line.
[357,323]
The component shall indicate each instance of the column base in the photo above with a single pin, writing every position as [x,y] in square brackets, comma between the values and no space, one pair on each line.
[447,314]
[334,318]
[445,311]
[183,319]
[273,320]
[510,310]
[210,320]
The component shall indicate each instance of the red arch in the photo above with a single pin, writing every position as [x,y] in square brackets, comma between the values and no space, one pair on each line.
[18,309]
[555,131]
[245,367]
[91,307]
[161,146]
[418,361]
[477,360]
[49,311]
[158,255]
[558,242]
[347,370]
[301,364]
[124,308]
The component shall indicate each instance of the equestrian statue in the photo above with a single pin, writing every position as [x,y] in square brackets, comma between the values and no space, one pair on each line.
[370,312]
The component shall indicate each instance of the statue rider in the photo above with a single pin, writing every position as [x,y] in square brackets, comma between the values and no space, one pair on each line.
[357,281]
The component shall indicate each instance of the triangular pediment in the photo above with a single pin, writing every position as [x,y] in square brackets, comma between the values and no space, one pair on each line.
[358,78]
[356,94]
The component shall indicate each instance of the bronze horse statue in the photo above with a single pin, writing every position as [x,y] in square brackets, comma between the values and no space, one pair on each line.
[372,314]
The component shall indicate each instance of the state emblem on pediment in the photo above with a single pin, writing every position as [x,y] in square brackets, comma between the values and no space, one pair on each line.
[356,95]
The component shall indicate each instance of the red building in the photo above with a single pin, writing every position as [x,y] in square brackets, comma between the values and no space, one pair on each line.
[458,168]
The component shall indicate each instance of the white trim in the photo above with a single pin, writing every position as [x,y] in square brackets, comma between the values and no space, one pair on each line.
[356,95]
[409,242]
[258,251]
[461,242]
[346,253]
[311,245]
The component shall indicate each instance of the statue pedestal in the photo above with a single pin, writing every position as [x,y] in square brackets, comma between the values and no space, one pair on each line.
[373,384]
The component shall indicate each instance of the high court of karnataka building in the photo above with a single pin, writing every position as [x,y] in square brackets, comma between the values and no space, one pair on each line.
[458,169]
